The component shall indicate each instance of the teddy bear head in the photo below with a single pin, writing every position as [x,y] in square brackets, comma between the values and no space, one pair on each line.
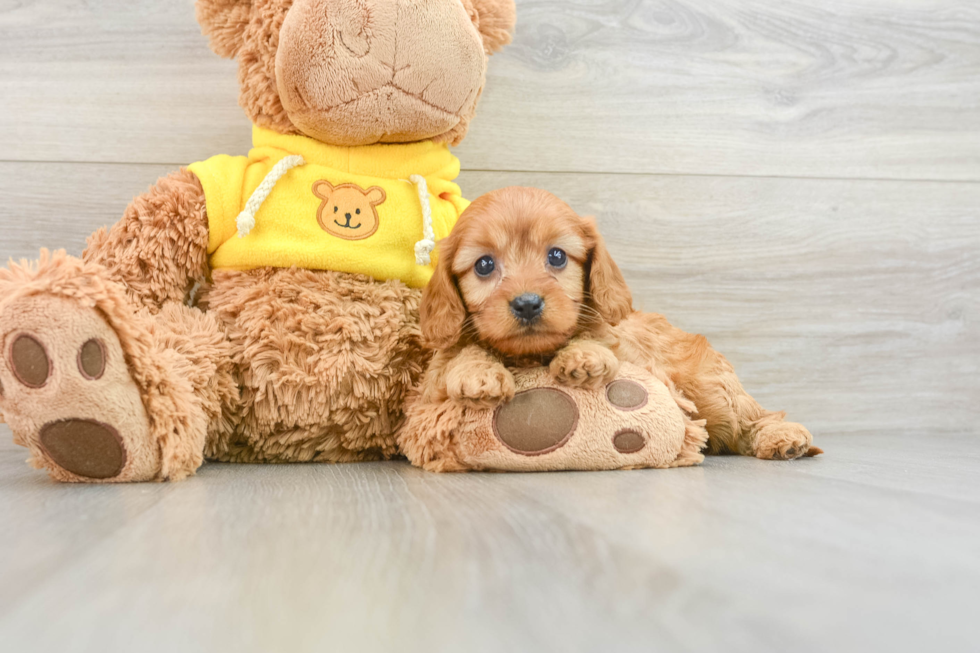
[360,72]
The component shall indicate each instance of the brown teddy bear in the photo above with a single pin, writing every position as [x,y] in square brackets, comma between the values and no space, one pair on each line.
[262,308]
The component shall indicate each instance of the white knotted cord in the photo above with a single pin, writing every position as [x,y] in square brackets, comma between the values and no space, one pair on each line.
[246,219]
[423,248]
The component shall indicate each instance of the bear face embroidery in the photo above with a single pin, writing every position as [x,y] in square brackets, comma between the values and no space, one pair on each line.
[348,211]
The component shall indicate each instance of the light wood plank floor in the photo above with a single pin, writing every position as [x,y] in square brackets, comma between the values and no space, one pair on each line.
[800,182]
[872,548]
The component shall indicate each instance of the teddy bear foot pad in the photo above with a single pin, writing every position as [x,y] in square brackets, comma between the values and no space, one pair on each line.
[633,422]
[555,428]
[542,420]
[67,393]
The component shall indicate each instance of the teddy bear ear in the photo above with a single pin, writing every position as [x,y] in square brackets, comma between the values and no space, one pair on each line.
[224,23]
[495,19]
[323,189]
[376,195]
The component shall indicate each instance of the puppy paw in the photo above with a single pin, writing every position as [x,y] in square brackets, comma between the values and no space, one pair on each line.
[481,385]
[585,365]
[782,441]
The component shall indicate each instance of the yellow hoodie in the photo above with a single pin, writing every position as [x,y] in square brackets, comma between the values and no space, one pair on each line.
[294,201]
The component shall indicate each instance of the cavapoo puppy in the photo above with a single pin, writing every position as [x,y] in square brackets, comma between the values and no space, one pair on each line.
[524,281]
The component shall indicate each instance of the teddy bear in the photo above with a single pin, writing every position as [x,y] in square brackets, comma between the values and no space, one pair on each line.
[262,308]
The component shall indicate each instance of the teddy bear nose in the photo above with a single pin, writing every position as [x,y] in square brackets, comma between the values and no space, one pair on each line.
[347,215]
[527,307]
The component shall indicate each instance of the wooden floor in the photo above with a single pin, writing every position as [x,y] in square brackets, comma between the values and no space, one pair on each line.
[872,548]
[798,181]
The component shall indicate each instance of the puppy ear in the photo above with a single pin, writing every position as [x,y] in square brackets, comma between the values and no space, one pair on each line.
[224,23]
[442,313]
[607,289]
[495,19]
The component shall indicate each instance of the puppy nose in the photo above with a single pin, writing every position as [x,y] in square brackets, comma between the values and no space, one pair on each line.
[347,215]
[527,307]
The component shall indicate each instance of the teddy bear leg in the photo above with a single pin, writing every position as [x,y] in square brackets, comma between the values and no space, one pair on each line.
[89,385]
[635,421]
[206,359]
[736,422]
[326,360]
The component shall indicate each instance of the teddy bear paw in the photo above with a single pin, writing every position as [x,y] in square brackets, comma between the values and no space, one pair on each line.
[67,393]
[632,422]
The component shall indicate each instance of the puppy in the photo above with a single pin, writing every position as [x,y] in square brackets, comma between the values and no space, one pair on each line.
[524,281]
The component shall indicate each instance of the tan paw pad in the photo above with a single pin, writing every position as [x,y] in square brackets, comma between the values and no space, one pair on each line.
[536,421]
[92,359]
[631,422]
[29,361]
[69,396]
[629,442]
[627,395]
[84,447]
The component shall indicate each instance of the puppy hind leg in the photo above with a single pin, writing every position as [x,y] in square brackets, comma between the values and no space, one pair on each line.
[773,438]
[736,423]
[749,429]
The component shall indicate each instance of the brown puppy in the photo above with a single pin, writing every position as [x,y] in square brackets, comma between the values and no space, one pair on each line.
[523,280]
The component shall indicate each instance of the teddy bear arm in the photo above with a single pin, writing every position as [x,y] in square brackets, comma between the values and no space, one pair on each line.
[159,249]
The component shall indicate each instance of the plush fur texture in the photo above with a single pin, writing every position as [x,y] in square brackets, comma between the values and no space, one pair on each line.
[270,365]
[354,73]
[587,326]
[224,22]
[148,396]
[159,250]
[287,365]
[325,360]
[495,19]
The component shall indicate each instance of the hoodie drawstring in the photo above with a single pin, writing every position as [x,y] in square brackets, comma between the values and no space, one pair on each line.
[246,219]
[423,248]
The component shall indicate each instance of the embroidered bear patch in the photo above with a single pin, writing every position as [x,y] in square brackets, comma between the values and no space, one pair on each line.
[348,211]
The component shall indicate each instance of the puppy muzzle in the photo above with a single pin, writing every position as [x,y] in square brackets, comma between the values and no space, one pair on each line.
[527,308]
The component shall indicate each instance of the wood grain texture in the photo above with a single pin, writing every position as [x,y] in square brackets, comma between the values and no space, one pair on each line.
[875,89]
[866,548]
[851,304]
[694,130]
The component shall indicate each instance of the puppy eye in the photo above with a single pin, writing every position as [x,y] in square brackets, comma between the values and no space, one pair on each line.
[335,209]
[485,266]
[358,211]
[557,258]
